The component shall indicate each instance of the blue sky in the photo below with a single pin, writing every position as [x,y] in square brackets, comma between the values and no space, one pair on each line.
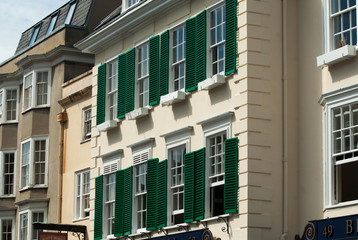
[16,16]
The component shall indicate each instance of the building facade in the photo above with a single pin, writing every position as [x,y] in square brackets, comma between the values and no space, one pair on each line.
[192,113]
[31,84]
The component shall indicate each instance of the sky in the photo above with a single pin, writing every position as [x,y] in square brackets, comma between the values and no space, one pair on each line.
[16,16]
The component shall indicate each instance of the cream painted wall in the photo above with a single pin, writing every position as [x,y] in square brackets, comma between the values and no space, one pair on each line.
[254,94]
[76,151]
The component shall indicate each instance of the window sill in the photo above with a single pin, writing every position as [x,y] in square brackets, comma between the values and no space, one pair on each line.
[176,226]
[212,82]
[80,219]
[172,97]
[85,140]
[140,232]
[344,204]
[7,196]
[137,113]
[33,108]
[215,218]
[34,187]
[107,125]
[336,56]
[9,122]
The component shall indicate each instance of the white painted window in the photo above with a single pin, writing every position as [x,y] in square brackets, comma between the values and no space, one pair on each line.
[8,173]
[110,167]
[82,194]
[217,40]
[34,159]
[36,89]
[140,189]
[86,123]
[340,25]
[142,84]
[7,229]
[177,53]
[27,218]
[216,131]
[112,87]
[10,101]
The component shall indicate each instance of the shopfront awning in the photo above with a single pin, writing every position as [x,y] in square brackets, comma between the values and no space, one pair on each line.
[77,230]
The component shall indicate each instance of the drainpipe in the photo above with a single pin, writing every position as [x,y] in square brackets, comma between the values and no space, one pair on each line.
[284,122]
[62,119]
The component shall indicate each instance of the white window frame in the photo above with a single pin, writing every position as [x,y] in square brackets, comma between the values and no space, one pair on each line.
[113,92]
[209,50]
[2,171]
[110,165]
[171,58]
[328,25]
[212,127]
[80,195]
[332,102]
[8,215]
[175,143]
[34,86]
[4,105]
[86,135]
[31,163]
[139,159]
[139,79]
[29,213]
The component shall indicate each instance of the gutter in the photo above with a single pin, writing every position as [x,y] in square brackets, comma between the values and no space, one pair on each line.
[284,123]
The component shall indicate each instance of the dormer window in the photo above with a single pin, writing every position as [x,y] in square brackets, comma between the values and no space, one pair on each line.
[70,12]
[51,26]
[35,33]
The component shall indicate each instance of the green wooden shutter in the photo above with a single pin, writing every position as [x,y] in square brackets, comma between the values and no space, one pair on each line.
[151,193]
[119,204]
[122,72]
[128,189]
[98,208]
[231,175]
[200,47]
[164,63]
[230,36]
[190,54]
[101,94]
[189,191]
[154,71]
[162,194]
[130,80]
[199,187]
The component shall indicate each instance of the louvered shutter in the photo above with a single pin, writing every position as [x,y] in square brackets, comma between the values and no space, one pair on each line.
[122,72]
[119,204]
[230,36]
[164,63]
[128,189]
[200,47]
[154,70]
[162,194]
[101,94]
[152,193]
[98,206]
[189,191]
[130,80]
[199,186]
[190,49]
[231,175]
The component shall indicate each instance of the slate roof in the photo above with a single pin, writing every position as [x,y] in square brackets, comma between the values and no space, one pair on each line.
[79,19]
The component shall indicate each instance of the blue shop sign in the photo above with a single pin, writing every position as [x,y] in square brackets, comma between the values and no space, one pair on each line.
[203,234]
[331,228]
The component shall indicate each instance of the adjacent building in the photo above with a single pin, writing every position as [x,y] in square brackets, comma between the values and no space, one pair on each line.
[31,145]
